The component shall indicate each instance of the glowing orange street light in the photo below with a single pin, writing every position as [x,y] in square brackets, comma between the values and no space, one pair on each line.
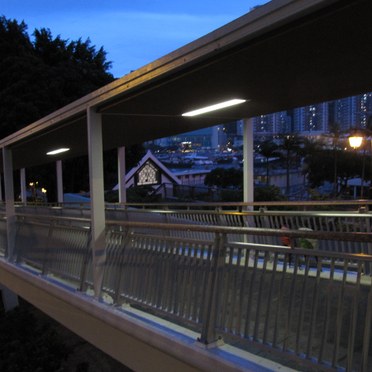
[355,140]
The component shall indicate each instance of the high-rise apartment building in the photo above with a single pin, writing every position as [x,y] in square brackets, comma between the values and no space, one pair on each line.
[364,109]
[343,112]
[312,119]
[349,112]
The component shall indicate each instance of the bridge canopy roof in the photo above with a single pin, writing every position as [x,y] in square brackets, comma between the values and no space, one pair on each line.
[285,54]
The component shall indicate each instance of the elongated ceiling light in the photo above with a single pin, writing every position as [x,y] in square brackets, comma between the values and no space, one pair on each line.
[214,107]
[58,151]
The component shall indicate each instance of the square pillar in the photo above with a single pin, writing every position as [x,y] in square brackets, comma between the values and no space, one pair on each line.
[59,174]
[1,188]
[97,202]
[23,185]
[121,175]
[248,162]
[9,202]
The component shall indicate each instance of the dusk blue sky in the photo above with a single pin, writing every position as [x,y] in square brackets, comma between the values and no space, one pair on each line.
[132,32]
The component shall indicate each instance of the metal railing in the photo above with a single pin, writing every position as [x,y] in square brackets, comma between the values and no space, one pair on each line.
[353,216]
[3,236]
[312,304]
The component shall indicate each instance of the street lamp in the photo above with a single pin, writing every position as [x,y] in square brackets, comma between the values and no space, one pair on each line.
[356,141]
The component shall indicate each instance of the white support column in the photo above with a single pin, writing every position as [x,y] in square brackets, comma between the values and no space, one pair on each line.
[1,188]
[59,173]
[9,202]
[248,164]
[121,175]
[97,203]
[23,185]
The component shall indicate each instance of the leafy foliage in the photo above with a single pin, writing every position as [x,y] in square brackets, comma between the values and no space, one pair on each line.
[269,149]
[268,193]
[321,164]
[41,75]
[221,177]
[291,150]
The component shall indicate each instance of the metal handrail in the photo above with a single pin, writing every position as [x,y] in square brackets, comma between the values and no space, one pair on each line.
[349,236]
[216,285]
[217,205]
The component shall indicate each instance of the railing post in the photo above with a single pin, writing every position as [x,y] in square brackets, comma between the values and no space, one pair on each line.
[368,265]
[46,258]
[209,311]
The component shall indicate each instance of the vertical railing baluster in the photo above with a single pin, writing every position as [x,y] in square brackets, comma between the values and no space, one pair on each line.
[237,285]
[314,308]
[46,255]
[367,332]
[208,334]
[202,259]
[191,273]
[85,262]
[292,292]
[329,293]
[339,315]
[280,301]
[260,295]
[242,293]
[228,291]
[269,298]
[303,294]
[368,265]
[353,320]
[124,241]
[250,294]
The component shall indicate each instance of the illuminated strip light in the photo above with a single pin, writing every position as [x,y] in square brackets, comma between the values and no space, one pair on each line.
[217,106]
[58,151]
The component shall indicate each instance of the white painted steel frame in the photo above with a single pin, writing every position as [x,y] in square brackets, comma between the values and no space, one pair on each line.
[121,175]
[59,173]
[9,201]
[97,202]
[23,185]
[248,162]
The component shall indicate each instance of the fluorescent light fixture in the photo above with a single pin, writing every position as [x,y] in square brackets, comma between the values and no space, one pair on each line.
[217,106]
[58,151]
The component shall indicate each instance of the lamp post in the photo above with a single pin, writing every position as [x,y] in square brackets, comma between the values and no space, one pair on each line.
[356,141]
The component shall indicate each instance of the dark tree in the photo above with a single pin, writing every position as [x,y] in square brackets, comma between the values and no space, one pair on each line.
[41,75]
[335,133]
[320,166]
[269,149]
[221,177]
[291,149]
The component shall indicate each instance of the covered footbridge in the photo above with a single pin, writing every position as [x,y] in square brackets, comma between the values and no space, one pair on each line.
[156,290]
